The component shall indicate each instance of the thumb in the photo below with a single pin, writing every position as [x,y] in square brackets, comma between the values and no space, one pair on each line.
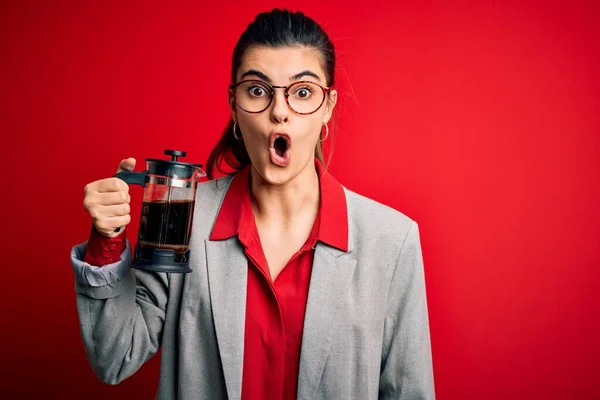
[127,164]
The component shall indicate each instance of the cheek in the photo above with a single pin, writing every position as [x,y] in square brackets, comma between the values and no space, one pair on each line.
[313,129]
[252,128]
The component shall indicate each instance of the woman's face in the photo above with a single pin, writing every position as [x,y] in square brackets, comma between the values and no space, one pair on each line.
[281,143]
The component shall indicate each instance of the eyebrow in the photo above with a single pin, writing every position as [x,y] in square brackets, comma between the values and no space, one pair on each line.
[258,74]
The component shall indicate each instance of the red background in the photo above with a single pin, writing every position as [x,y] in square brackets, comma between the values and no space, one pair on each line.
[480,120]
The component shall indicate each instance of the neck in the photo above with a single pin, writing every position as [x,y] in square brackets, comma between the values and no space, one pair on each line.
[284,203]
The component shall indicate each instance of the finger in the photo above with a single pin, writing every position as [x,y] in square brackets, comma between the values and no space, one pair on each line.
[113,198]
[100,199]
[116,210]
[112,185]
[127,164]
[99,213]
[111,223]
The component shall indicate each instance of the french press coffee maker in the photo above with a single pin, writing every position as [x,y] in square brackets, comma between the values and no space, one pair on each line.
[167,213]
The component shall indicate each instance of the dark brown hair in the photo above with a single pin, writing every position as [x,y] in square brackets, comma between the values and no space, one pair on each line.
[277,28]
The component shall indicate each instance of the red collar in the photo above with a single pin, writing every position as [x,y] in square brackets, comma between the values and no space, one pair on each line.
[333,211]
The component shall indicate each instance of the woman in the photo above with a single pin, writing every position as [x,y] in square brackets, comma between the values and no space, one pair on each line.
[300,288]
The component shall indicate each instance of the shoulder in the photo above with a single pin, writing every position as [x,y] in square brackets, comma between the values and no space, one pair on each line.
[209,198]
[215,187]
[210,195]
[365,208]
[371,219]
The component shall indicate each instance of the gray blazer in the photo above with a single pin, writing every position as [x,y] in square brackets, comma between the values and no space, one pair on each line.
[366,329]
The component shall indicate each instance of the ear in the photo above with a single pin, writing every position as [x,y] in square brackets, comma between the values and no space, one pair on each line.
[232,105]
[330,103]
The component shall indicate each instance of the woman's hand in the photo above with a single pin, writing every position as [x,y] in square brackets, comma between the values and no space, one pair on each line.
[107,201]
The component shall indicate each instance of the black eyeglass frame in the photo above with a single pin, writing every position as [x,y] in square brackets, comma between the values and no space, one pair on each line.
[286,93]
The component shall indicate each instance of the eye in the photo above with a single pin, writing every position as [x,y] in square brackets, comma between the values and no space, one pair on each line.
[303,92]
[257,91]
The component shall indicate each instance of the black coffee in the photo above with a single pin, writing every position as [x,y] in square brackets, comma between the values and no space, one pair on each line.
[165,225]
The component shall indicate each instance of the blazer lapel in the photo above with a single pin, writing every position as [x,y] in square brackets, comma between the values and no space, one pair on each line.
[329,284]
[227,279]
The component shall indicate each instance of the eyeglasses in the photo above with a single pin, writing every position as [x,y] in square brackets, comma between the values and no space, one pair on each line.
[302,97]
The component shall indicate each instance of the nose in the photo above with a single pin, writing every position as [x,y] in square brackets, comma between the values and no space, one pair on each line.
[279,109]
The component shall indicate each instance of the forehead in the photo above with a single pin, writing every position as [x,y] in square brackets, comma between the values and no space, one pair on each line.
[280,64]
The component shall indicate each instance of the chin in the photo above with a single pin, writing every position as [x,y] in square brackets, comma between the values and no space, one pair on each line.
[273,174]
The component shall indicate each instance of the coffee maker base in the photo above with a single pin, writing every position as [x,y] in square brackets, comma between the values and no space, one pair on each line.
[176,269]
[160,260]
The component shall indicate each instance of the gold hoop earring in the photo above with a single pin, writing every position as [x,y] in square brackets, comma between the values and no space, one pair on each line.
[234,135]
[326,132]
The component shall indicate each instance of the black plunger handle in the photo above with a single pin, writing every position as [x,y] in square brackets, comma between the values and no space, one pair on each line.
[132,178]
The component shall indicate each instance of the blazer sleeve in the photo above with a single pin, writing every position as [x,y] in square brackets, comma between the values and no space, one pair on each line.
[121,314]
[406,365]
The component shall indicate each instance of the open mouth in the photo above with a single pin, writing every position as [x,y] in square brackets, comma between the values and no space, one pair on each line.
[280,149]
[280,146]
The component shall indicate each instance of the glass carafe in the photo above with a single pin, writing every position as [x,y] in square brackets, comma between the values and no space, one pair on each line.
[167,212]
